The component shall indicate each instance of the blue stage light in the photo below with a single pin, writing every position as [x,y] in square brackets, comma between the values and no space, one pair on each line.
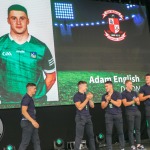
[103,22]
[126,18]
[92,23]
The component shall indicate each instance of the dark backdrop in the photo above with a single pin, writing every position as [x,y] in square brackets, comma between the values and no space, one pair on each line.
[56,121]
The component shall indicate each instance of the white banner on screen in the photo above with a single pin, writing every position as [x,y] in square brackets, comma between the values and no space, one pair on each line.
[40,26]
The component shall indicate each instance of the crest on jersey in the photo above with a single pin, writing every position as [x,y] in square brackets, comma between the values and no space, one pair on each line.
[114,32]
[33,55]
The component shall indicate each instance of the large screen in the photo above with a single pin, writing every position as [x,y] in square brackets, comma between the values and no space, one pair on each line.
[85,40]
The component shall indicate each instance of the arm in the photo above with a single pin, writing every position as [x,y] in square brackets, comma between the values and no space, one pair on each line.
[142,97]
[116,103]
[125,103]
[91,103]
[137,100]
[50,80]
[105,103]
[80,105]
[28,117]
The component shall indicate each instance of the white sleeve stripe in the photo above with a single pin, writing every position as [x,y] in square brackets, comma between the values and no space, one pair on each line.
[50,59]
[50,71]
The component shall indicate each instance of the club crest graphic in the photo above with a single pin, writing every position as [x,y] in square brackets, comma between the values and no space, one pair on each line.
[114,32]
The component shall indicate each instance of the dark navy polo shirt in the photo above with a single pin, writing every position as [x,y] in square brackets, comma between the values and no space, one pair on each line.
[129,96]
[80,97]
[112,109]
[28,101]
[146,91]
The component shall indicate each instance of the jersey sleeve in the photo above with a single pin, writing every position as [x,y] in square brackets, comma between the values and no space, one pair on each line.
[76,98]
[103,98]
[119,96]
[141,91]
[25,101]
[123,95]
[48,63]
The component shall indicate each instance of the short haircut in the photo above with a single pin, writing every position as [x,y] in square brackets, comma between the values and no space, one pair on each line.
[127,81]
[30,84]
[17,8]
[148,74]
[81,82]
[108,82]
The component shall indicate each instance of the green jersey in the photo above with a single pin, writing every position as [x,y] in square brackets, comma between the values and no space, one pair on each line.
[21,64]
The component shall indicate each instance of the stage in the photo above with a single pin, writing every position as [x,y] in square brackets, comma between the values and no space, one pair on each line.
[146,144]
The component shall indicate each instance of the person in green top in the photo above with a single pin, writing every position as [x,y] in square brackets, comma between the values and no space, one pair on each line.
[23,59]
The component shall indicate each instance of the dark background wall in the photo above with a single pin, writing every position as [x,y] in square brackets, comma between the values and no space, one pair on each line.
[56,121]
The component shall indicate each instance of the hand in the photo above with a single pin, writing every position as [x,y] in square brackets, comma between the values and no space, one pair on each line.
[108,98]
[89,96]
[136,99]
[35,124]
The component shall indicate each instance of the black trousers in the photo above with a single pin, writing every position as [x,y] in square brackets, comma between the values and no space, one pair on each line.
[29,132]
[116,120]
[147,110]
[84,122]
[134,123]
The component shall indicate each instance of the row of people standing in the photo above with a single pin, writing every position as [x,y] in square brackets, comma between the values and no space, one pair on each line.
[111,102]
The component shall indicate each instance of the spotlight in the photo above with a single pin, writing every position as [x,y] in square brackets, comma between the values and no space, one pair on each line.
[59,144]
[9,147]
[100,140]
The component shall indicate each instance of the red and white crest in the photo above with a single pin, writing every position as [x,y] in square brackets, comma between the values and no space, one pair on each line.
[114,33]
[114,25]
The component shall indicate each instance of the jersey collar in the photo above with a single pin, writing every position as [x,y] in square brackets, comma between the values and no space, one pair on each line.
[28,39]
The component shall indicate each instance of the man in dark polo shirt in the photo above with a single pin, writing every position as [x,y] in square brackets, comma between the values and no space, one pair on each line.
[83,118]
[111,102]
[28,123]
[144,95]
[131,100]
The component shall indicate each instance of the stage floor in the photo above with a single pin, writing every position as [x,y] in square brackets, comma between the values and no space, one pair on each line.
[146,144]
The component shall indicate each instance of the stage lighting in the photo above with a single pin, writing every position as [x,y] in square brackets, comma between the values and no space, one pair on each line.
[59,144]
[9,147]
[100,140]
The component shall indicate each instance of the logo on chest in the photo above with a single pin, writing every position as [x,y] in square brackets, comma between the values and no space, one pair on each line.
[33,55]
[6,53]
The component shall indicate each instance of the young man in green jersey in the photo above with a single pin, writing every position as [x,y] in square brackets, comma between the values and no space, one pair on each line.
[23,59]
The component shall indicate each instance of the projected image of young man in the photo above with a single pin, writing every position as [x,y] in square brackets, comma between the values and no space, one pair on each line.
[111,102]
[133,115]
[28,123]
[83,120]
[144,95]
[23,59]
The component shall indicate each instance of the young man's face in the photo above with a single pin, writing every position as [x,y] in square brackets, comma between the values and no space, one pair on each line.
[18,21]
[32,89]
[129,85]
[147,79]
[83,87]
[108,87]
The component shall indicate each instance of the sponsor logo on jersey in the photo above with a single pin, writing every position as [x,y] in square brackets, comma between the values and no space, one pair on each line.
[20,51]
[33,55]
[114,32]
[6,53]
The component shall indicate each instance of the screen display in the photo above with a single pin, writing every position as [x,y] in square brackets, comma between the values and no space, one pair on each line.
[70,41]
